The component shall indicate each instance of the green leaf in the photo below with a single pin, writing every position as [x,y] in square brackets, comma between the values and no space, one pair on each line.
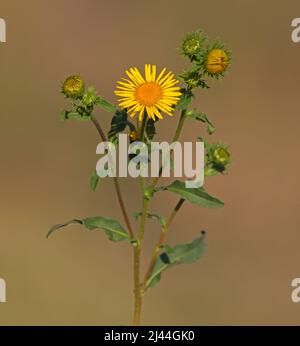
[201,117]
[185,99]
[74,115]
[112,228]
[61,225]
[150,129]
[156,217]
[131,126]
[105,105]
[179,254]
[194,195]
[118,124]
[94,180]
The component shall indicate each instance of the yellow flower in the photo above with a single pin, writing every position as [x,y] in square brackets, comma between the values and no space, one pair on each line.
[133,136]
[217,61]
[153,94]
[73,87]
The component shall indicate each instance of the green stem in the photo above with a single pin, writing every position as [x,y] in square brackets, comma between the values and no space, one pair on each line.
[116,182]
[138,247]
[179,126]
[179,204]
[137,286]
[160,242]
[175,138]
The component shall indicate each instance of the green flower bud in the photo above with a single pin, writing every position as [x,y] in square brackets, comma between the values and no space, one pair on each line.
[192,44]
[221,156]
[73,87]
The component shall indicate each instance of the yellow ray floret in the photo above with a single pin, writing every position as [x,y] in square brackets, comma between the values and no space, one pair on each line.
[151,94]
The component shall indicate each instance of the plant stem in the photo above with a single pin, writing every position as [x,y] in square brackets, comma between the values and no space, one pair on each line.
[138,248]
[160,242]
[179,126]
[137,286]
[175,138]
[179,204]
[116,182]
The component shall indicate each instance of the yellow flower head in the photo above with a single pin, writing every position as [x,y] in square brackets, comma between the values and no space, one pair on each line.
[153,94]
[73,87]
[217,61]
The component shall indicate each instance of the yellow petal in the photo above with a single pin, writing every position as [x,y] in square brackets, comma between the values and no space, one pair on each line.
[153,73]
[147,73]
[141,113]
[135,81]
[161,74]
[157,113]
[135,72]
[164,78]
[150,112]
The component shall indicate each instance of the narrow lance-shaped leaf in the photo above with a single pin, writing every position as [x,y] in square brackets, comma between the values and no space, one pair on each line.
[94,180]
[200,116]
[194,195]
[112,228]
[118,124]
[105,105]
[150,129]
[179,254]
[156,217]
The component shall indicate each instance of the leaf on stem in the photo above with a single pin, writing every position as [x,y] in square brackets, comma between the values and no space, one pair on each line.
[194,195]
[179,254]
[105,105]
[200,116]
[155,217]
[94,180]
[150,129]
[112,228]
[118,124]
[185,99]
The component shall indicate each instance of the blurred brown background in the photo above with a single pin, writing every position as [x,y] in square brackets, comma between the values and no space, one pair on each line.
[78,277]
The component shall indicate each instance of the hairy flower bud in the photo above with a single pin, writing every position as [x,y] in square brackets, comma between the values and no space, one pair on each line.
[216,62]
[73,87]
[192,44]
[221,156]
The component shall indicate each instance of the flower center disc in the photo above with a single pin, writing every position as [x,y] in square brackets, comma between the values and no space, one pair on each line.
[149,93]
